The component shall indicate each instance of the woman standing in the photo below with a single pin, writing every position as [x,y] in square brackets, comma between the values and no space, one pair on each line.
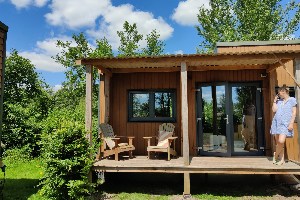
[282,124]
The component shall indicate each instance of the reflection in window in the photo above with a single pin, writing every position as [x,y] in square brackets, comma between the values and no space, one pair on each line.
[152,106]
[163,105]
[140,105]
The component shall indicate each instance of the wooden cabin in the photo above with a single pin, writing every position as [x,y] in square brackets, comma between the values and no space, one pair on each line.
[3,37]
[220,106]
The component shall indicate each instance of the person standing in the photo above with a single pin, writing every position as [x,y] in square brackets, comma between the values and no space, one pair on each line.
[282,124]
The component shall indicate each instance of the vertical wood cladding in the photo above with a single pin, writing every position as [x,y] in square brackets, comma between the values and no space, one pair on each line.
[121,83]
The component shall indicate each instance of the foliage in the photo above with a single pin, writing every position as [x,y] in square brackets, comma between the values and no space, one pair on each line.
[239,20]
[26,103]
[155,46]
[74,88]
[67,161]
[129,39]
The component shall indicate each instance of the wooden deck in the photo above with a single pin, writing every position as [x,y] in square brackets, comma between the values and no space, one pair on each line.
[218,165]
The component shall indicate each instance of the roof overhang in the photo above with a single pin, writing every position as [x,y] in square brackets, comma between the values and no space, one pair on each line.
[211,61]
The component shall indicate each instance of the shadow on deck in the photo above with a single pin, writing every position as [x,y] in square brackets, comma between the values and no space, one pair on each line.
[216,165]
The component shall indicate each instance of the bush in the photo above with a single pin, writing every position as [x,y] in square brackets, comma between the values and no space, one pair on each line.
[16,155]
[67,155]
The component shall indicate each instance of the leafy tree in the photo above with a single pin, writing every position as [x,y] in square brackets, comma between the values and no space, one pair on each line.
[74,88]
[155,46]
[245,20]
[26,104]
[129,39]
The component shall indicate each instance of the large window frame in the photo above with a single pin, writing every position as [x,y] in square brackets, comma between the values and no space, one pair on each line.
[151,117]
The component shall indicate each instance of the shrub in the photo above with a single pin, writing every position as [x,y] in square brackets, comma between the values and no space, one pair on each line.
[68,160]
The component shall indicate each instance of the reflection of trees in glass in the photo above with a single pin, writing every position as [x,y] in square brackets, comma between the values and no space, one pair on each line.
[140,105]
[245,98]
[163,105]
[207,116]
[221,114]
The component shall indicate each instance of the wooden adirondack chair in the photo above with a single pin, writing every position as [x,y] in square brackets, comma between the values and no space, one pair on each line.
[111,145]
[165,138]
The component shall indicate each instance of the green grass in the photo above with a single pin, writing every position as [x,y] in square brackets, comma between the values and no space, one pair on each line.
[22,179]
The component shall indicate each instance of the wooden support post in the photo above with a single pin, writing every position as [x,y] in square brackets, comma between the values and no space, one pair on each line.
[272,93]
[297,96]
[106,92]
[184,113]
[88,107]
[187,185]
[88,102]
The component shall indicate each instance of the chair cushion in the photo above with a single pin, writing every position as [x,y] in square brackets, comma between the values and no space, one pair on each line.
[163,138]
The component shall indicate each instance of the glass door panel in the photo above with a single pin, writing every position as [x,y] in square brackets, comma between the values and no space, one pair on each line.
[244,118]
[213,120]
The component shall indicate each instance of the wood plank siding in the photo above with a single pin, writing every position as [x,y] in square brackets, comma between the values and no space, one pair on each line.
[253,48]
[122,82]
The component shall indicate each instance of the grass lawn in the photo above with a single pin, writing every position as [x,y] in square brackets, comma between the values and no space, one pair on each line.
[22,179]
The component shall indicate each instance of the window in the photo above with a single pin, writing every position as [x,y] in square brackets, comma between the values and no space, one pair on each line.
[152,106]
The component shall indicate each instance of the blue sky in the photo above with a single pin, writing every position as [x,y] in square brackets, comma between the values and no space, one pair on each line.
[35,26]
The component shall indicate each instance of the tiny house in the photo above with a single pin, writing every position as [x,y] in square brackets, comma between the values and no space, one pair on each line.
[220,104]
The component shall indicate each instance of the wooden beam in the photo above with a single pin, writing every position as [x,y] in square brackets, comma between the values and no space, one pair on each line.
[297,96]
[104,70]
[88,102]
[134,70]
[195,58]
[272,93]
[289,73]
[275,66]
[184,113]
[226,67]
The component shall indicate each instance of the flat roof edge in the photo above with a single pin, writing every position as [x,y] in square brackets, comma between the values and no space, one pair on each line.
[3,26]
[257,43]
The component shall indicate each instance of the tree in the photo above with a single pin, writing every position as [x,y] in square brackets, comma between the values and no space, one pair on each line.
[155,46]
[245,20]
[26,104]
[129,39]
[74,88]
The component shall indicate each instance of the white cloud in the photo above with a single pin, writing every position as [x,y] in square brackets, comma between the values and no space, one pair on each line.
[7,53]
[40,3]
[42,61]
[178,52]
[186,12]
[56,88]
[41,56]
[114,17]
[76,13]
[25,3]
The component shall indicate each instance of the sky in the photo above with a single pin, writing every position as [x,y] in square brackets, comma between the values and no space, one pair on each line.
[35,26]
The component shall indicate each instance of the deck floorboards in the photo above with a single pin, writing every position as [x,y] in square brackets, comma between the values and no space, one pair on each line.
[220,165]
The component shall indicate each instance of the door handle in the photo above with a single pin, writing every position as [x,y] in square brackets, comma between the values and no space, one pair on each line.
[227,122]
[199,119]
